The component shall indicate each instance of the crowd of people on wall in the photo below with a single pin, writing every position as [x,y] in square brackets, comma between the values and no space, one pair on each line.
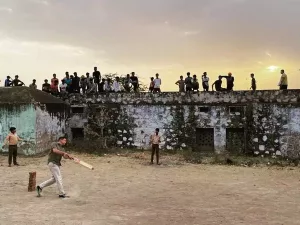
[87,84]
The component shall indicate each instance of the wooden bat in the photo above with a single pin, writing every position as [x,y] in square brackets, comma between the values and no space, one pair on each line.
[83,164]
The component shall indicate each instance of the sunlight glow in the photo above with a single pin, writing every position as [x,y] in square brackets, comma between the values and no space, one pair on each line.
[272,68]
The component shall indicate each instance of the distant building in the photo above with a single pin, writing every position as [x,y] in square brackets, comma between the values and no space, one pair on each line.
[38,116]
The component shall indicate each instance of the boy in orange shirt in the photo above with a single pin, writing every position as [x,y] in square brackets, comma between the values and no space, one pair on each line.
[12,139]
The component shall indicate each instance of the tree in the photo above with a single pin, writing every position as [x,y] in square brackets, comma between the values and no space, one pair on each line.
[112,77]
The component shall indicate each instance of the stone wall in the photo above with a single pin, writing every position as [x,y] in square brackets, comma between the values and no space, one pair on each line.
[50,124]
[261,122]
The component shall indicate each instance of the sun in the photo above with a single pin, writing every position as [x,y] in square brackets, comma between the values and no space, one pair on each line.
[272,68]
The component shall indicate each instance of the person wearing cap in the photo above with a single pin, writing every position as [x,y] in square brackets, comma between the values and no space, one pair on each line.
[7,82]
[230,81]
[33,85]
[17,82]
[46,87]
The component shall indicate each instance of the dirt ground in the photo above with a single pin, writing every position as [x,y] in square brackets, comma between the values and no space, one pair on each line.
[127,190]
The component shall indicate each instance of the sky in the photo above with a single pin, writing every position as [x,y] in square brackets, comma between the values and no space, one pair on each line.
[169,37]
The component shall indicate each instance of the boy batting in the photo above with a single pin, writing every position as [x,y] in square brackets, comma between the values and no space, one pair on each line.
[54,162]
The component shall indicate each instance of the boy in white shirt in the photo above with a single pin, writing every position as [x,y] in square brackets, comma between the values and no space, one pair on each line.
[116,85]
[157,84]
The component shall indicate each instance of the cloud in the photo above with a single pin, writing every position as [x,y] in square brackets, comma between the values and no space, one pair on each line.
[6,9]
[43,2]
[191,33]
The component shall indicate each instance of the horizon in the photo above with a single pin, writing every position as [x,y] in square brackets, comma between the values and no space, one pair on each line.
[42,37]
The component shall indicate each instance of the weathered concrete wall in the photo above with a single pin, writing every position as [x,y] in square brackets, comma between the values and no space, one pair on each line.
[261,123]
[50,124]
[23,118]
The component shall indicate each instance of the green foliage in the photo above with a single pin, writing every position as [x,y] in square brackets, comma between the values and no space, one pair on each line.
[112,76]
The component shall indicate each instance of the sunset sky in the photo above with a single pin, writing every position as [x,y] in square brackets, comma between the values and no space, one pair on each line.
[171,37]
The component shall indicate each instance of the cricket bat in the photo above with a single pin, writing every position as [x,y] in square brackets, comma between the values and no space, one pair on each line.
[83,164]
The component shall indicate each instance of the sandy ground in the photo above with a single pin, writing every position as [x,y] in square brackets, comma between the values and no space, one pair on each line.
[127,190]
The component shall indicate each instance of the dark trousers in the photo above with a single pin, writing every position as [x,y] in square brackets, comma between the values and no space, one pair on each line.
[283,87]
[12,154]
[155,150]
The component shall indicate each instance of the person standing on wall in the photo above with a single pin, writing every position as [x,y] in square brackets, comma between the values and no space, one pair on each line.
[253,82]
[230,81]
[205,80]
[12,140]
[155,141]
[188,82]
[157,84]
[181,84]
[283,83]
[96,76]
[135,82]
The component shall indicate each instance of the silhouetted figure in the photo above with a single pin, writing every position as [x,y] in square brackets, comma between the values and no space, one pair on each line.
[8,82]
[71,87]
[157,84]
[218,85]
[230,81]
[17,82]
[96,76]
[68,81]
[205,82]
[253,82]
[46,87]
[135,82]
[188,83]
[101,86]
[88,83]
[127,83]
[151,86]
[181,84]
[33,85]
[283,83]
[195,83]
[76,83]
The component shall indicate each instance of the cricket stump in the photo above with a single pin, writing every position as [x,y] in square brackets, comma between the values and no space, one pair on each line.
[32,181]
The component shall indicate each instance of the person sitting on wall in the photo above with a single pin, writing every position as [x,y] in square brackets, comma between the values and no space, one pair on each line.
[93,87]
[101,86]
[218,85]
[33,85]
[83,84]
[128,83]
[8,82]
[116,87]
[107,85]
[17,82]
[46,87]
[63,88]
